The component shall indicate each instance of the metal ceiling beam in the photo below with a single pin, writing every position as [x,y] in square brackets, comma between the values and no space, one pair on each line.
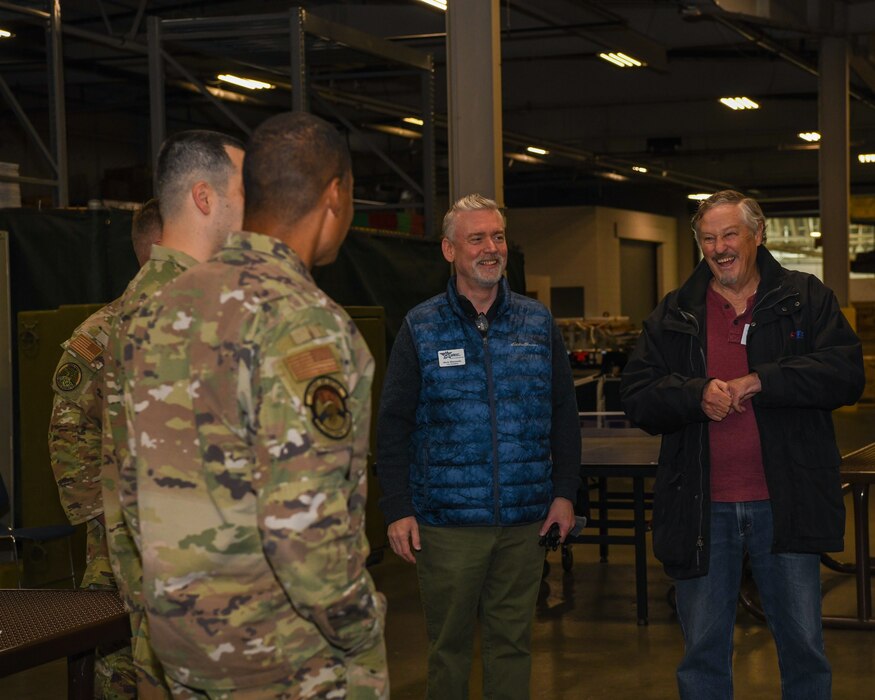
[610,37]
[196,29]
[57,107]
[26,123]
[766,42]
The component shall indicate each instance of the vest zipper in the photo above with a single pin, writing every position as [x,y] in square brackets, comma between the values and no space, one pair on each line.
[490,387]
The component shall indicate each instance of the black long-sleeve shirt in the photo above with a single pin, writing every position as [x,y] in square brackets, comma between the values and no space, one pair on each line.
[397,422]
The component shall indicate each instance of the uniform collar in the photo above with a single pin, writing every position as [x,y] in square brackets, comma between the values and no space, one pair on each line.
[164,254]
[266,245]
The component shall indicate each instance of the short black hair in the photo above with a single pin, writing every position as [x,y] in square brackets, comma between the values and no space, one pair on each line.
[146,229]
[290,159]
[189,156]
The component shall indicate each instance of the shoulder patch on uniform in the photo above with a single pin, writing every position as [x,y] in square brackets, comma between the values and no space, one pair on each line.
[68,376]
[85,347]
[326,399]
[311,363]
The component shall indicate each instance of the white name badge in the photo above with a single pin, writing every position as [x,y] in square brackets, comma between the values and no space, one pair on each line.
[451,358]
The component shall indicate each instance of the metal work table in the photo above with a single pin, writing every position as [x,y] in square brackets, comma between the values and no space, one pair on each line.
[617,453]
[38,626]
[858,471]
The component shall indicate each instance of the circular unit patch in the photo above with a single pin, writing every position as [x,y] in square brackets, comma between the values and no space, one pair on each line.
[326,399]
[68,376]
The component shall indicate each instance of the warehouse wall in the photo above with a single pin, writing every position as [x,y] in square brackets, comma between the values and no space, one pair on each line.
[580,246]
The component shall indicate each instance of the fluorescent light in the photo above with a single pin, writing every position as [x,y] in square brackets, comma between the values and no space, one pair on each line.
[739,103]
[396,131]
[698,196]
[815,234]
[537,151]
[247,83]
[639,168]
[523,158]
[5,34]
[866,157]
[616,177]
[413,120]
[621,60]
[439,4]
[810,136]
[226,94]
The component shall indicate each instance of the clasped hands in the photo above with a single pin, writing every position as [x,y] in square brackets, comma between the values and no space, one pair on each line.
[721,398]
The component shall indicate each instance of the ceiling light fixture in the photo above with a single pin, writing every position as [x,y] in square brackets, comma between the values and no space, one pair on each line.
[739,103]
[621,60]
[698,196]
[810,136]
[439,4]
[522,158]
[396,131]
[248,83]
[815,234]
[866,157]
[5,34]
[413,120]
[639,168]
[537,151]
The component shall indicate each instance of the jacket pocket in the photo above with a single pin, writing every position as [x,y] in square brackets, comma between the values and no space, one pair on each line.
[671,518]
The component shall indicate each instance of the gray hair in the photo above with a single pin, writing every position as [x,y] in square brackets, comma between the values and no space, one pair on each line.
[471,202]
[751,212]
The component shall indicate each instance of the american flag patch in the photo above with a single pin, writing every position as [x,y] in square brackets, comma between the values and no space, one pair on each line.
[85,347]
[311,363]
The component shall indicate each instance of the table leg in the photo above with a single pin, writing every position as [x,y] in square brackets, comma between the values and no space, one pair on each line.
[640,550]
[80,676]
[861,546]
[603,518]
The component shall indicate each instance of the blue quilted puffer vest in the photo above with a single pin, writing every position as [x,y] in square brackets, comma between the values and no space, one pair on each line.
[481,451]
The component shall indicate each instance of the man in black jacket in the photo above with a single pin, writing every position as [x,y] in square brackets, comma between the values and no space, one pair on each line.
[739,370]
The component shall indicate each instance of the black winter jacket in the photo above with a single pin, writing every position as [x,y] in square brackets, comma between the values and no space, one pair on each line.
[809,362]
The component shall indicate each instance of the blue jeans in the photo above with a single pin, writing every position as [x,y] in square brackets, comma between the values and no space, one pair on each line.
[789,588]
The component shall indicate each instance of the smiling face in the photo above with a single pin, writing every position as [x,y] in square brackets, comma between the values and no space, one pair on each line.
[729,246]
[478,249]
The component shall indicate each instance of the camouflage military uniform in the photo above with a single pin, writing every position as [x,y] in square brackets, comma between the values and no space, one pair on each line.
[164,265]
[246,393]
[75,450]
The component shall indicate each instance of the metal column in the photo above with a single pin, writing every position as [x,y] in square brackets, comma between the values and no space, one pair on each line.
[298,49]
[429,175]
[834,173]
[474,97]
[156,93]
[57,109]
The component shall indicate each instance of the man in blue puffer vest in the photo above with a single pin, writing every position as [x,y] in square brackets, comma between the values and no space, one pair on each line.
[478,454]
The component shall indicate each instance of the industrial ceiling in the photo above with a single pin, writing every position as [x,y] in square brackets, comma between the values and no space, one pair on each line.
[636,136]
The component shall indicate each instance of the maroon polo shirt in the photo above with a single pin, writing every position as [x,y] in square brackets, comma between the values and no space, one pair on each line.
[736,458]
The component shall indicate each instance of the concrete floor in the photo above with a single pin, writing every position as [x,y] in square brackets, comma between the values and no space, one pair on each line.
[587,645]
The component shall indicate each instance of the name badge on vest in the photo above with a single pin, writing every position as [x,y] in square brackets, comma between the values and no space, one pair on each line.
[451,358]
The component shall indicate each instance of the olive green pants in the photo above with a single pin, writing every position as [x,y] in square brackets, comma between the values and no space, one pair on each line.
[486,573]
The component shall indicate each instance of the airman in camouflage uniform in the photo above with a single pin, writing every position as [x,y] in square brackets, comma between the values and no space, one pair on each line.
[165,265]
[75,436]
[194,167]
[246,395]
